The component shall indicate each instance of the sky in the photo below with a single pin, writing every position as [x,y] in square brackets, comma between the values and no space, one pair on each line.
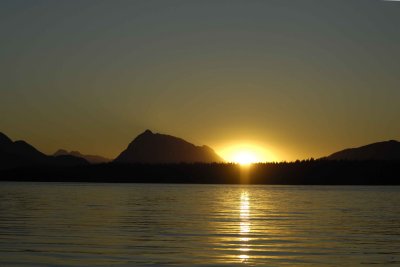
[293,79]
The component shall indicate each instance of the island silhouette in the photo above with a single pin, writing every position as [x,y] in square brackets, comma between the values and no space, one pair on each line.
[160,158]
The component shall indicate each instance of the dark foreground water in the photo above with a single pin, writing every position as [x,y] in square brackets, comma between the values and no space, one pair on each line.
[44,224]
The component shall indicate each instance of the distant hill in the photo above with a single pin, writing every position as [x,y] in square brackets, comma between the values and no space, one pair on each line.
[388,150]
[94,159]
[20,153]
[151,147]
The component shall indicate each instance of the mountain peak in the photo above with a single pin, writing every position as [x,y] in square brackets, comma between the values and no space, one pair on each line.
[143,136]
[150,147]
[147,132]
[60,152]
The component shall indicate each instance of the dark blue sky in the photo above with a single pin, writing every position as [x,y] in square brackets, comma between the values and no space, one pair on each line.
[299,78]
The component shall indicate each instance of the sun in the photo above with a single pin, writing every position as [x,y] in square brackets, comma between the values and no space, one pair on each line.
[245,154]
[245,158]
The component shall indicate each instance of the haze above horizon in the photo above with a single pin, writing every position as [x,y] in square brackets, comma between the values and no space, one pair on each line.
[295,80]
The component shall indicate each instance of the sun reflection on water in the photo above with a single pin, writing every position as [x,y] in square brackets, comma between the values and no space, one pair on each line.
[245,226]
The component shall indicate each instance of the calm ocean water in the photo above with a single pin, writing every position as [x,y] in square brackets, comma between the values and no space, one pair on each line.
[45,224]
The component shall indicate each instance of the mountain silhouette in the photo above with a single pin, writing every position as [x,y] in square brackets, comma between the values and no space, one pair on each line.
[4,140]
[20,153]
[94,159]
[151,147]
[387,150]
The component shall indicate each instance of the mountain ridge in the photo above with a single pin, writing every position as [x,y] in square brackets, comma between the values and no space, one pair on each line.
[384,150]
[93,159]
[20,153]
[149,147]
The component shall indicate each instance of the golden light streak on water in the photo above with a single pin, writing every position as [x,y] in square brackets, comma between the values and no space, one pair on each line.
[245,226]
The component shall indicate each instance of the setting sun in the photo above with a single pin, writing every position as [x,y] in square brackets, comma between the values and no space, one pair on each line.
[245,158]
[245,153]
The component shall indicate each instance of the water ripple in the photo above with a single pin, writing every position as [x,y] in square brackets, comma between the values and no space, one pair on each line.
[217,225]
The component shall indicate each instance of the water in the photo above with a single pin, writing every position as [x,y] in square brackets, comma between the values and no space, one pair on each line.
[45,224]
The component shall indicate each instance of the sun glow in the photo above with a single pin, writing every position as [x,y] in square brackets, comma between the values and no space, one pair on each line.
[245,158]
[245,154]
